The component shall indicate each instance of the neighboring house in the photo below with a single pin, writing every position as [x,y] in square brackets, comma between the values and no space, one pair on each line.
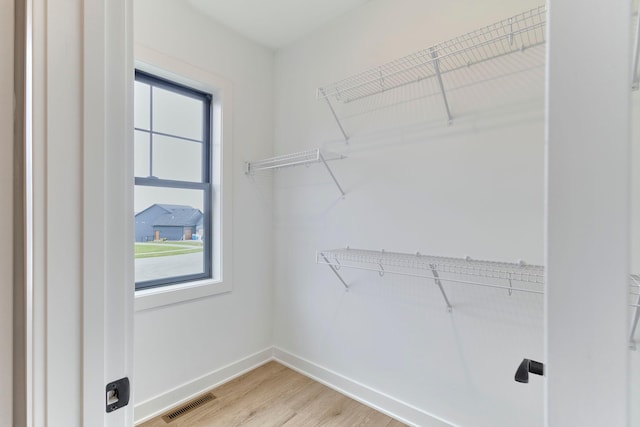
[171,222]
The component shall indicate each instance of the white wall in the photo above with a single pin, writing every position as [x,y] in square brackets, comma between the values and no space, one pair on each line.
[177,344]
[587,215]
[635,254]
[474,188]
[6,213]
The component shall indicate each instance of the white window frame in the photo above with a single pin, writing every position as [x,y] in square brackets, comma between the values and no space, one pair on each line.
[161,65]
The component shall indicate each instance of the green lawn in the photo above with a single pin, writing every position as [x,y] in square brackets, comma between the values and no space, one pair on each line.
[158,249]
[185,243]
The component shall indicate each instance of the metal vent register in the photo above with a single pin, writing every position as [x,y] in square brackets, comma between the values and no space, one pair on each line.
[188,407]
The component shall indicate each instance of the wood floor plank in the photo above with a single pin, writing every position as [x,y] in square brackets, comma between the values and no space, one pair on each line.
[306,395]
[322,409]
[276,396]
[259,399]
[357,414]
[273,415]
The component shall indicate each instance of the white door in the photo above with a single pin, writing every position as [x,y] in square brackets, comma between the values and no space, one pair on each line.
[80,123]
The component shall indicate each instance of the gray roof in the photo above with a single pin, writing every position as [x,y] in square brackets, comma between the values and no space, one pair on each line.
[168,208]
[179,217]
[171,208]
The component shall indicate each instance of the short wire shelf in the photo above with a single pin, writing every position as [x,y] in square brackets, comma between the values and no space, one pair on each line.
[299,158]
[512,277]
[291,159]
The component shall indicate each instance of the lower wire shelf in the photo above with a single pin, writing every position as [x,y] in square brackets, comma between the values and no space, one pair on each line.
[512,277]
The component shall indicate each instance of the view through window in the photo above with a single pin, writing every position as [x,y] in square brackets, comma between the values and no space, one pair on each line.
[172,197]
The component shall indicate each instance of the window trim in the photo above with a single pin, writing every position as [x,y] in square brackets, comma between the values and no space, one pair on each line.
[203,185]
[151,61]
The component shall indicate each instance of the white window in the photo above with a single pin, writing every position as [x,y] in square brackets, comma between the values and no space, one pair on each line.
[199,180]
[173,183]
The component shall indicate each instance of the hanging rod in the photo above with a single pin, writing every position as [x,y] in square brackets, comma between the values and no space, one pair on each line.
[308,157]
[432,267]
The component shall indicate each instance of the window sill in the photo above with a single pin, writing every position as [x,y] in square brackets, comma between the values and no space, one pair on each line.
[168,295]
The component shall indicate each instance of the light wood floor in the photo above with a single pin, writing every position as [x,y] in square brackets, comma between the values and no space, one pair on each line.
[274,395]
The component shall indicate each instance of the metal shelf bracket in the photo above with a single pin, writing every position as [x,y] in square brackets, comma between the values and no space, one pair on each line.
[436,278]
[635,83]
[635,282]
[335,271]
[331,173]
[335,116]
[436,67]
[633,345]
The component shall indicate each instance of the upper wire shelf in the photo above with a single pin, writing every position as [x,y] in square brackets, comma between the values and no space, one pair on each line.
[510,35]
[520,32]
[307,157]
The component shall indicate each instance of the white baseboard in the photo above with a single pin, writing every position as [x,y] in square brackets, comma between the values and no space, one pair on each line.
[382,402]
[151,408]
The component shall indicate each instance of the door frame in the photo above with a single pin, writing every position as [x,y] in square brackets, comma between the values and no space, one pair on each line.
[78,256]
[587,213]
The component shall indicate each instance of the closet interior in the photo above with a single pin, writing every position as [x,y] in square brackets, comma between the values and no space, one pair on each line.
[369,132]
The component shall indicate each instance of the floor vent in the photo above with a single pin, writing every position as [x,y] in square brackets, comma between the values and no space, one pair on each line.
[187,407]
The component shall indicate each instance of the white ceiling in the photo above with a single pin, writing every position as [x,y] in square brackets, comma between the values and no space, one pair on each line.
[274,23]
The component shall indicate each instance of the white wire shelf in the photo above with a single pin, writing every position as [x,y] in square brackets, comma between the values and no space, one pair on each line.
[501,38]
[514,34]
[512,277]
[292,159]
[425,265]
[300,158]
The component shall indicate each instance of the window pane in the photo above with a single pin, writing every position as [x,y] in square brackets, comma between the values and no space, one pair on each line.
[141,154]
[177,114]
[177,159]
[141,105]
[170,230]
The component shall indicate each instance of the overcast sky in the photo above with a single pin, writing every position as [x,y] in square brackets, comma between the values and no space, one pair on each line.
[172,158]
